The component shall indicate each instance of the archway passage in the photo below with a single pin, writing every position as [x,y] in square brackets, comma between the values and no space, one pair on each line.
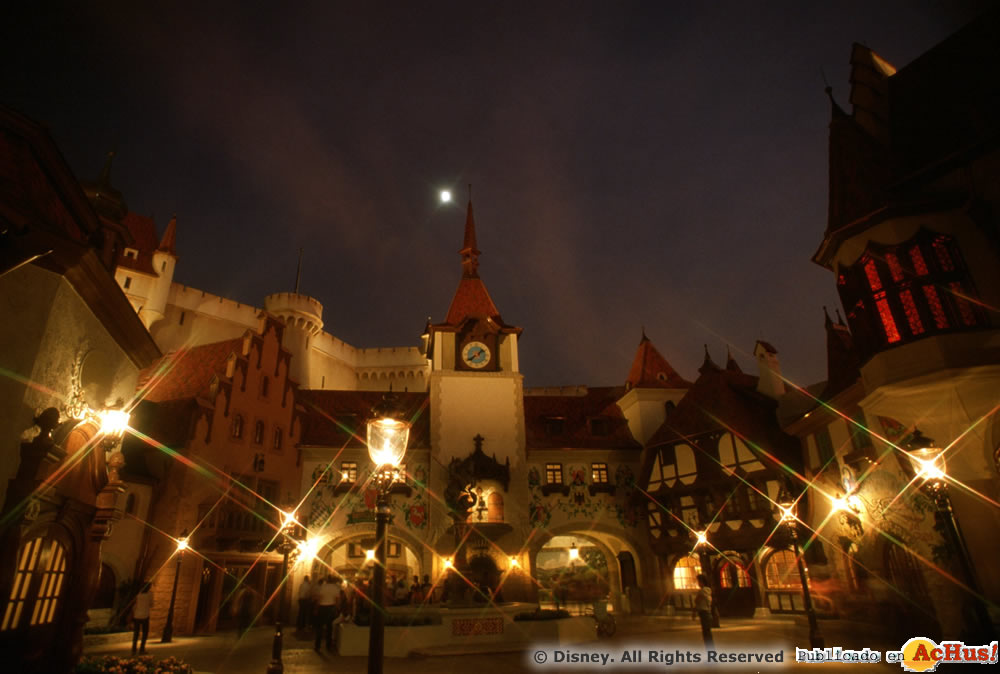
[573,573]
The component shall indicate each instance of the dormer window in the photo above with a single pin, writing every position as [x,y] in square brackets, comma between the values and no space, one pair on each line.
[554,426]
[599,426]
[896,294]
[128,283]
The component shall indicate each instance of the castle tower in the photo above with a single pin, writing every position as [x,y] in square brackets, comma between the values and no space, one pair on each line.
[164,262]
[303,319]
[651,385]
[475,383]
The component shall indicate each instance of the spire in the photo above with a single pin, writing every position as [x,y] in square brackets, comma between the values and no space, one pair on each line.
[169,241]
[469,252]
[471,299]
[708,365]
[651,370]
[731,363]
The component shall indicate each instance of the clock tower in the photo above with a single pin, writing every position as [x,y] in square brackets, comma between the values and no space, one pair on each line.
[475,386]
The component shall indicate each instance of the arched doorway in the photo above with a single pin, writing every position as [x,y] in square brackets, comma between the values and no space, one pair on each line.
[735,594]
[630,582]
[573,573]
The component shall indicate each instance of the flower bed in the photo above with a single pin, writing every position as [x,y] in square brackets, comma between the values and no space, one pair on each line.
[143,664]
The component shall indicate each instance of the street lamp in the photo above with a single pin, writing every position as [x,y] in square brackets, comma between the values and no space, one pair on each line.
[786,506]
[289,542]
[930,468]
[168,629]
[388,432]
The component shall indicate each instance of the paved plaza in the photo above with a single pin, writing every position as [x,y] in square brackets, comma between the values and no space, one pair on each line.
[224,653]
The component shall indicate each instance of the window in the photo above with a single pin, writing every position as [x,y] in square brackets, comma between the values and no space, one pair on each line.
[264,384]
[393,549]
[355,550]
[733,574]
[553,473]
[349,471]
[128,282]
[686,573]
[41,568]
[130,505]
[599,473]
[825,447]
[131,253]
[163,267]
[860,437]
[258,433]
[26,562]
[277,439]
[238,426]
[782,571]
[554,425]
[181,320]
[599,426]
[894,294]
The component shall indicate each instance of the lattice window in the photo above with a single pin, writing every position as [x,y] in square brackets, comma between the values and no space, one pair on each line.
[782,571]
[553,473]
[237,430]
[26,562]
[894,294]
[599,473]
[686,573]
[732,574]
[349,471]
[49,590]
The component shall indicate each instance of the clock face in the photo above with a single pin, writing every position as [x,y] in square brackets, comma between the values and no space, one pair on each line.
[476,354]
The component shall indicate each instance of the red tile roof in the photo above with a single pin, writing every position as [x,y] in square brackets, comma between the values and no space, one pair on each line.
[472,301]
[188,373]
[726,400]
[143,233]
[338,418]
[651,370]
[169,242]
[564,421]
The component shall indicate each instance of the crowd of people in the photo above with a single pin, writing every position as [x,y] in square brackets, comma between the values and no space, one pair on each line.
[330,600]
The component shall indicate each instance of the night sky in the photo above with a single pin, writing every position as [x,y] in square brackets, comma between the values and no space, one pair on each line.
[633,164]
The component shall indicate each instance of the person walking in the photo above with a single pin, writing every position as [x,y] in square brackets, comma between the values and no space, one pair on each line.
[327,603]
[305,603]
[140,617]
[703,610]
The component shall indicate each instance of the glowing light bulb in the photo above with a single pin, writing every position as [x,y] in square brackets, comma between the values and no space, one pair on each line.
[448,563]
[445,196]
[369,555]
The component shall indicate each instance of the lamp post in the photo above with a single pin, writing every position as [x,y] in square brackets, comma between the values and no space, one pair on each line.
[168,629]
[786,505]
[929,465]
[388,432]
[289,542]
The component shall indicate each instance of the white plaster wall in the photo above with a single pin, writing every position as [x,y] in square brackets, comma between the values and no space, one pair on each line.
[47,329]
[464,405]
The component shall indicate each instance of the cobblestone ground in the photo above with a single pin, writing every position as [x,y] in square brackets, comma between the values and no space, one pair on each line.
[227,654]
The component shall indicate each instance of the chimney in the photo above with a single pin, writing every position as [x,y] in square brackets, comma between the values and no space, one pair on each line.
[770,382]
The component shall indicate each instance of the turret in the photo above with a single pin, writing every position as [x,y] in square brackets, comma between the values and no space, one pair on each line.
[164,263]
[303,319]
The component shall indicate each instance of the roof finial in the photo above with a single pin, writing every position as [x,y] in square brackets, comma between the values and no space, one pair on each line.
[644,337]
[840,320]
[298,272]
